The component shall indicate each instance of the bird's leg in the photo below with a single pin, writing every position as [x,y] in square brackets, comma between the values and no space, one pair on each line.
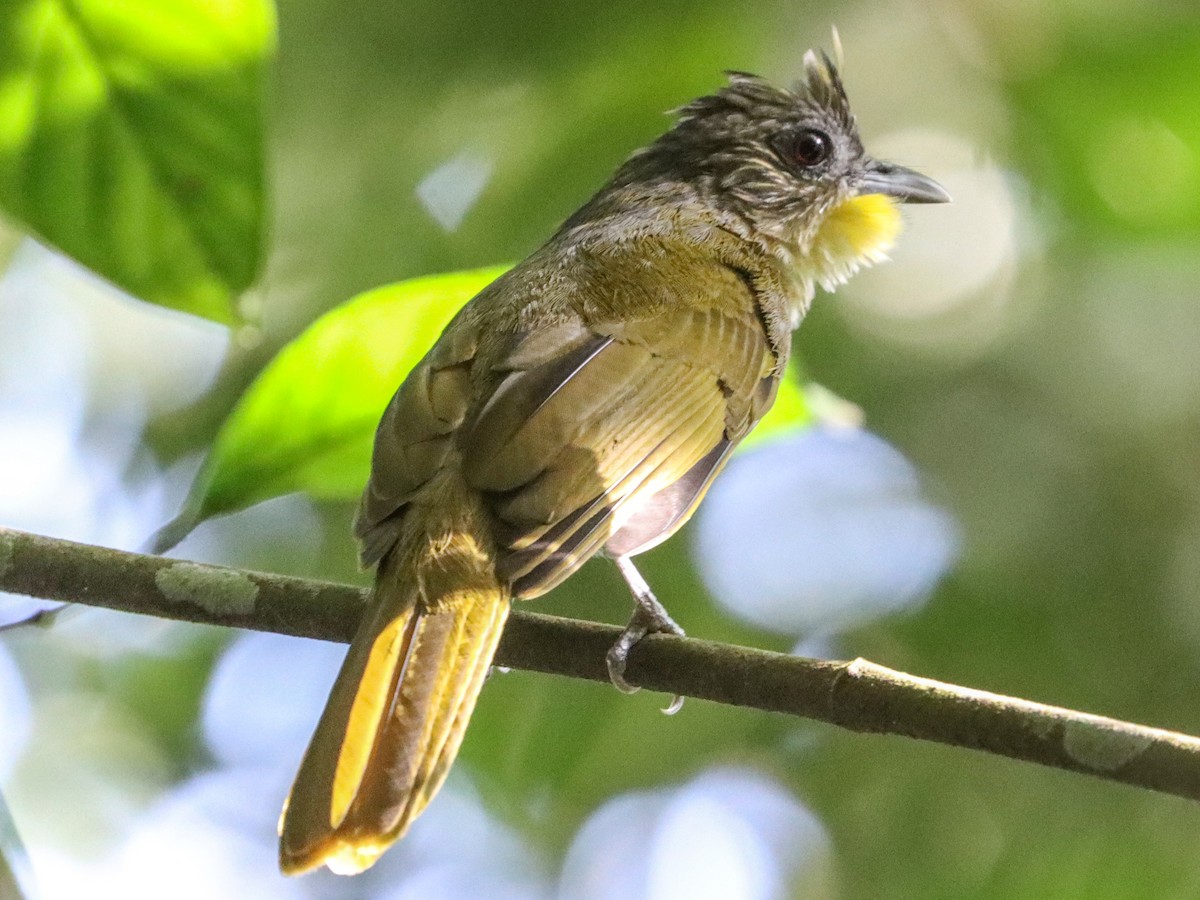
[649,617]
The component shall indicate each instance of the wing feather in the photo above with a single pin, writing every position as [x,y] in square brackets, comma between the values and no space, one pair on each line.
[617,433]
[579,433]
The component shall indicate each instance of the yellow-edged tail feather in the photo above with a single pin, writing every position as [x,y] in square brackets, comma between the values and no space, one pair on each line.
[394,720]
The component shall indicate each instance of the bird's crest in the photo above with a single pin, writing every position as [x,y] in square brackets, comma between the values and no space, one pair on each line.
[820,88]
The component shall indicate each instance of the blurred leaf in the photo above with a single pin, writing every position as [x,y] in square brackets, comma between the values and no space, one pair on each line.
[15,878]
[308,421]
[1117,127]
[131,138]
[546,751]
[973,812]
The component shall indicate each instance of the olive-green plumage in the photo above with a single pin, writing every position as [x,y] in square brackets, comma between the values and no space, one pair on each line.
[580,404]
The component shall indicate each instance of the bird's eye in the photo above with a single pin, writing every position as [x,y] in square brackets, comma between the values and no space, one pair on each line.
[809,148]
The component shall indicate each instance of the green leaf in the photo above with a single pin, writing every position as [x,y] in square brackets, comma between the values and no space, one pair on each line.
[131,139]
[308,421]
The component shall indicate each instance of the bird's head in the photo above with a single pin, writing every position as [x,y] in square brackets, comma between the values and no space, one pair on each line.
[790,166]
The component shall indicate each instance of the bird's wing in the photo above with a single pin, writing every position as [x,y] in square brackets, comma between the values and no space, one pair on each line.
[607,434]
[415,435]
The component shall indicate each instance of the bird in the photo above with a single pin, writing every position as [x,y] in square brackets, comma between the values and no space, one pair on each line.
[581,405]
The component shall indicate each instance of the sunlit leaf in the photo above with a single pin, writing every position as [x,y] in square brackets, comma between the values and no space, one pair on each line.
[307,421]
[131,139]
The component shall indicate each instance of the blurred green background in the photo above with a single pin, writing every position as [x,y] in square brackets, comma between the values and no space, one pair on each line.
[1031,349]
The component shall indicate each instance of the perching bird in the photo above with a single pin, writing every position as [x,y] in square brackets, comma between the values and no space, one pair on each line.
[582,404]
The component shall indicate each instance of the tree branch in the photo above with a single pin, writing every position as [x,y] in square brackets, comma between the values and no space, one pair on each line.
[857,695]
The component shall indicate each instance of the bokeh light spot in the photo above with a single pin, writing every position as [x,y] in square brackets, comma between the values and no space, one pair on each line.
[1144,171]
[818,532]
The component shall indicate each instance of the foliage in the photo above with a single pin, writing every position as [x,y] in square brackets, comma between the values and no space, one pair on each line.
[131,138]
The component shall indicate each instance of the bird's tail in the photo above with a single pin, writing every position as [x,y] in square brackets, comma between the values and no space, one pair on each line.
[399,707]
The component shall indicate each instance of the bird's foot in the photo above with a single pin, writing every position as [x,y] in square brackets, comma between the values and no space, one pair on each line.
[643,622]
[649,617]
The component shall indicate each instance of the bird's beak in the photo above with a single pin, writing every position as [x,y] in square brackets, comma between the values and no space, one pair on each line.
[903,184]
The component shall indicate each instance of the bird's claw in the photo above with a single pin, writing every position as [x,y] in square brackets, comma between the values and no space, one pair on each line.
[616,660]
[644,621]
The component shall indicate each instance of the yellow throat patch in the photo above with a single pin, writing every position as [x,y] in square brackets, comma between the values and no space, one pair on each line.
[858,231]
